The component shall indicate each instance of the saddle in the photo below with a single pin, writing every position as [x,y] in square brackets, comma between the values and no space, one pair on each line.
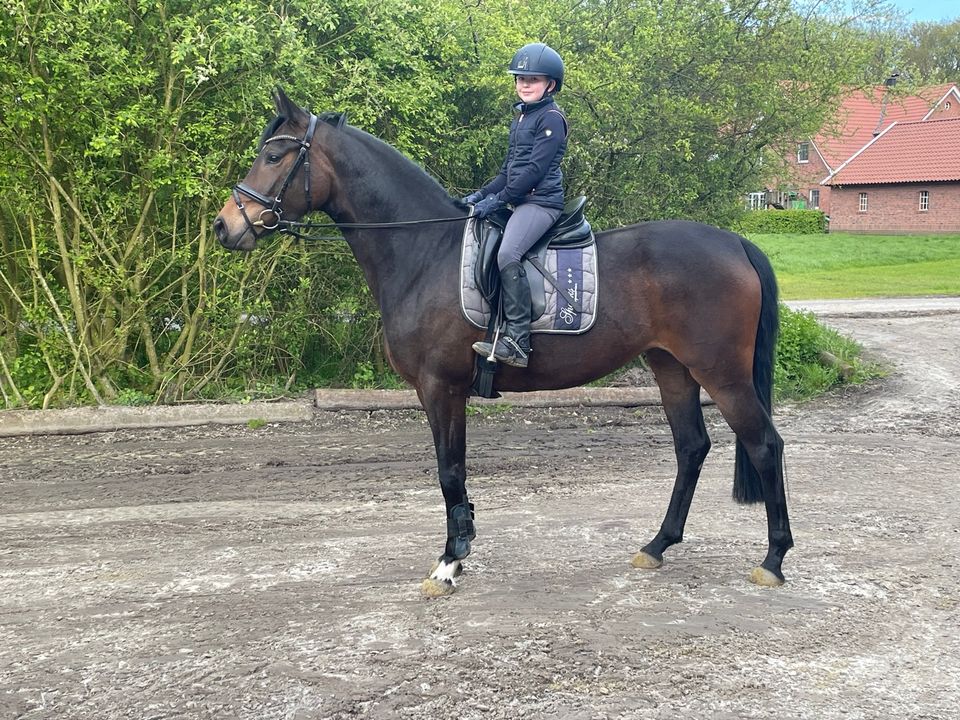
[571,230]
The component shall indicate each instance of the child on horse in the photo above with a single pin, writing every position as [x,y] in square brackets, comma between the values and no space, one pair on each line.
[530,180]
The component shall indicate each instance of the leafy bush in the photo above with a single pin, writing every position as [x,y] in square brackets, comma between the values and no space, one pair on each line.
[133,398]
[125,123]
[812,358]
[801,222]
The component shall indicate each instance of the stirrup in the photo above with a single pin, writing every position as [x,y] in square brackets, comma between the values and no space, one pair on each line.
[484,349]
[509,352]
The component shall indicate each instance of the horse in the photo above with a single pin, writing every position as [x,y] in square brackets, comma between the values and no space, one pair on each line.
[699,302]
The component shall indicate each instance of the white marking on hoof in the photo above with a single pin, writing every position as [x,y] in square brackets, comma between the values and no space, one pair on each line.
[442,580]
[645,561]
[762,576]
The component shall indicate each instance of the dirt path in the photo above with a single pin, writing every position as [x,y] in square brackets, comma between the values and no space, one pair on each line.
[274,573]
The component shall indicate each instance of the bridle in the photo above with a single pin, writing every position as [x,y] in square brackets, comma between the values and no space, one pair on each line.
[272,209]
[271,217]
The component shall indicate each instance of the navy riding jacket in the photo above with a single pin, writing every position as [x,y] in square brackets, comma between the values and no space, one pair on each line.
[531,171]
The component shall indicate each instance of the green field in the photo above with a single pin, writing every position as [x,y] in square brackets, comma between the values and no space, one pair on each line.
[840,265]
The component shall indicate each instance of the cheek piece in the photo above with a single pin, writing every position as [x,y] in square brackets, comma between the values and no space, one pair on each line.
[269,217]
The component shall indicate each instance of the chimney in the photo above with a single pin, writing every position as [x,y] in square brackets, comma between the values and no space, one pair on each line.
[888,83]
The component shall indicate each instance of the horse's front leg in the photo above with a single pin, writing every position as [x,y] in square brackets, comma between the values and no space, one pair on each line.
[446,410]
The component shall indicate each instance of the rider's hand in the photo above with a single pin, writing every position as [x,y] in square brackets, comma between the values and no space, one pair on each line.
[487,206]
[473,198]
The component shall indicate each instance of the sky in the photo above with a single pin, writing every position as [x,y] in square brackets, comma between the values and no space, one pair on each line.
[929,10]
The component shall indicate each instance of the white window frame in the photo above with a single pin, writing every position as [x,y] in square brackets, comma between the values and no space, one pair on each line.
[805,156]
[864,203]
[814,203]
[924,200]
[758,200]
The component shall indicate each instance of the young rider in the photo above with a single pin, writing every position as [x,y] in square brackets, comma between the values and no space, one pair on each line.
[530,180]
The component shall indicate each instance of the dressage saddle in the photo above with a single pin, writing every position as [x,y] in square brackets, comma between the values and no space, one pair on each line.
[571,230]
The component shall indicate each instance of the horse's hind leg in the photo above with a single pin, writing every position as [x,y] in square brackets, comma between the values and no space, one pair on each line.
[740,406]
[680,394]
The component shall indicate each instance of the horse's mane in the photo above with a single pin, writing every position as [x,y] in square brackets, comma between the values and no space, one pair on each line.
[402,167]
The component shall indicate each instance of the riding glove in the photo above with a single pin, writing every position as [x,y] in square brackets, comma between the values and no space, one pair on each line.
[473,198]
[487,206]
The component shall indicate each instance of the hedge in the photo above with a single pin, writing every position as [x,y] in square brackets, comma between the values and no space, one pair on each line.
[803,222]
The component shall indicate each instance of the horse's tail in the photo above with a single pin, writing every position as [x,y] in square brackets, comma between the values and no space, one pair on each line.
[746,480]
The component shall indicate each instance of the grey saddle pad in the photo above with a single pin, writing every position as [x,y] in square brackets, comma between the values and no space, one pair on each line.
[574,269]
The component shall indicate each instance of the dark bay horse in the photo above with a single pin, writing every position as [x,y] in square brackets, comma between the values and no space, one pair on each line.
[700,302]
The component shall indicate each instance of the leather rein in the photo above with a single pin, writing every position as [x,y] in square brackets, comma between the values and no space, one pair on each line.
[271,217]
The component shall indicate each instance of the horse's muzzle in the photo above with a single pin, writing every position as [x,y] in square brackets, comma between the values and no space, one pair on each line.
[233,240]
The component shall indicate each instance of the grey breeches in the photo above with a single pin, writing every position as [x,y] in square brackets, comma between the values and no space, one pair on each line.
[527,225]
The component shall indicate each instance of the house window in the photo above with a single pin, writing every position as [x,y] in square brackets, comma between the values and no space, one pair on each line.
[803,152]
[758,200]
[814,199]
[947,105]
[924,200]
[863,202]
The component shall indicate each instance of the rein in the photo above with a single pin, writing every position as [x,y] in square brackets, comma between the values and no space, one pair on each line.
[290,227]
[273,211]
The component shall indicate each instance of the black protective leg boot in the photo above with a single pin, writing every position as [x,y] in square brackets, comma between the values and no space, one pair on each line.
[512,348]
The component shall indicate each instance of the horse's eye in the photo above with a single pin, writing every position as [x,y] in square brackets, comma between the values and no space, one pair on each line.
[273,158]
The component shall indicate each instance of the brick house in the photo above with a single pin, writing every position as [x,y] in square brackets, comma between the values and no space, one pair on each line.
[906,179]
[861,118]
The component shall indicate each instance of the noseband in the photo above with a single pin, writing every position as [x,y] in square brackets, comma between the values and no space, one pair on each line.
[271,206]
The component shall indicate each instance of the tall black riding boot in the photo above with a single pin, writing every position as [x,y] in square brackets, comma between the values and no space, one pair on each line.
[513,347]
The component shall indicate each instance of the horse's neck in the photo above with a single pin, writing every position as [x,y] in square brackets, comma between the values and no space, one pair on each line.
[375,184]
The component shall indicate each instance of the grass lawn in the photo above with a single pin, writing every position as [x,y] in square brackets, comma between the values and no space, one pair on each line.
[840,265]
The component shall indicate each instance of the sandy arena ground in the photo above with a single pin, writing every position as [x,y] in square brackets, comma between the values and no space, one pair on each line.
[275,573]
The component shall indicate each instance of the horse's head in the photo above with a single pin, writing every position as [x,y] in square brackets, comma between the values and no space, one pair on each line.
[289,178]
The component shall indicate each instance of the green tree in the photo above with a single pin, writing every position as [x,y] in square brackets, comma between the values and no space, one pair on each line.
[672,105]
[124,123]
[123,126]
[932,51]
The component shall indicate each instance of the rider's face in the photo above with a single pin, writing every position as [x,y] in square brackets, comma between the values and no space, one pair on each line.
[531,88]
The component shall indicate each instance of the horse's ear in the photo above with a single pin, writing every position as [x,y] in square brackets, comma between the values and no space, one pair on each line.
[283,104]
[337,119]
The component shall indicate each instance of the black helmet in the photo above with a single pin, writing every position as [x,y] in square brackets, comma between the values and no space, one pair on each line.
[538,59]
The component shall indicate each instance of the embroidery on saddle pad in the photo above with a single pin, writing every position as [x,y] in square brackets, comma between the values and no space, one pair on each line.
[577,275]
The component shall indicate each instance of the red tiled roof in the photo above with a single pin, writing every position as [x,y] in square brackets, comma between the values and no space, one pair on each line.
[926,151]
[859,116]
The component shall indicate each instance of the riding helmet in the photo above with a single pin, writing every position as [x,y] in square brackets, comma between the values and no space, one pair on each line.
[538,59]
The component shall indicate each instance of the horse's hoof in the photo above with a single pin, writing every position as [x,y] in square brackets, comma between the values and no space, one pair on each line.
[442,580]
[645,561]
[437,588]
[762,576]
